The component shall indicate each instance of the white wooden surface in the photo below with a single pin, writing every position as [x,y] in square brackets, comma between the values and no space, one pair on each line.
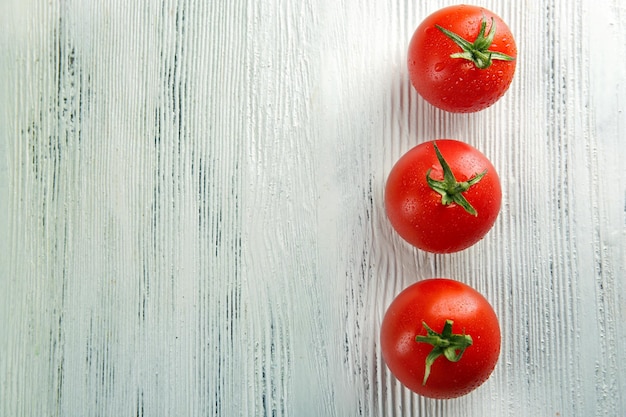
[193,222]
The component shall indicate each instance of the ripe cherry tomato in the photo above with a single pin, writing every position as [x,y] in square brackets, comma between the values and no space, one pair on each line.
[462,58]
[440,338]
[443,196]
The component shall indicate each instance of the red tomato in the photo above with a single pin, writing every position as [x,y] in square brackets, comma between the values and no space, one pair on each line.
[443,205]
[460,351]
[462,58]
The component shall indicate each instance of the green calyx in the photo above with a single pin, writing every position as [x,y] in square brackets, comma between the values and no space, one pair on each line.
[450,345]
[450,189]
[477,52]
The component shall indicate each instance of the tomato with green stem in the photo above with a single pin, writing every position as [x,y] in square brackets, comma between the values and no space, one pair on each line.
[462,58]
[440,338]
[443,196]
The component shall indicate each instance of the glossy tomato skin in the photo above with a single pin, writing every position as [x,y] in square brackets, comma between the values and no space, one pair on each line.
[456,84]
[415,210]
[434,301]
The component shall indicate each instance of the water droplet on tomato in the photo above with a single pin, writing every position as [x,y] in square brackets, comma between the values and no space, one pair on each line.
[430,30]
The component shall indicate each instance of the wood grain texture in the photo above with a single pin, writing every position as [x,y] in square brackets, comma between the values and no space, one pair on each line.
[194,220]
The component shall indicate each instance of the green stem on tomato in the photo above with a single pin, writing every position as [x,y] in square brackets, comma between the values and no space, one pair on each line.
[477,52]
[450,189]
[450,345]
